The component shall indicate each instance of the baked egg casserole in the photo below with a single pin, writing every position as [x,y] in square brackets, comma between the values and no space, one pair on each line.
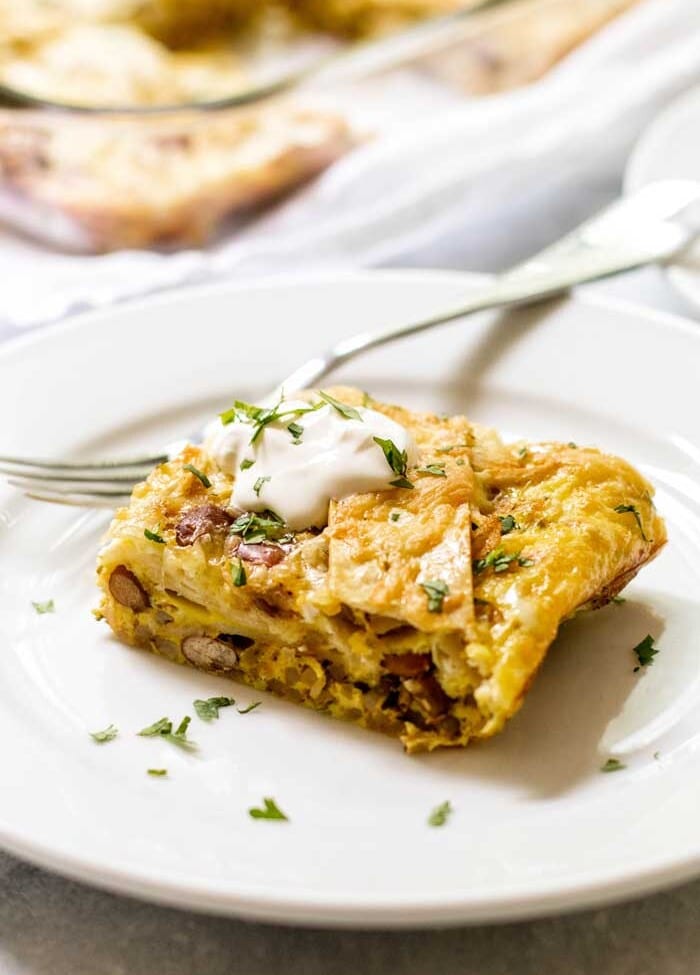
[403,571]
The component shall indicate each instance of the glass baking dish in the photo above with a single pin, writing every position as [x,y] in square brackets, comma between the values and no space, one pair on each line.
[311,59]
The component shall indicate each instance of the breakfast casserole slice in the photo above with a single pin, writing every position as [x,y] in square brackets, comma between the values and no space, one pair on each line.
[421,608]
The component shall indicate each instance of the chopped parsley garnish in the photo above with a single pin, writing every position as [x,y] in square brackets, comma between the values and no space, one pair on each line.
[270,811]
[245,464]
[453,446]
[508,524]
[612,765]
[179,736]
[349,412]
[198,474]
[499,560]
[163,728]
[249,708]
[645,651]
[209,710]
[258,486]
[259,417]
[397,461]
[435,590]
[395,515]
[109,734]
[633,510]
[523,452]
[160,772]
[574,446]
[366,399]
[264,527]
[41,608]
[154,536]
[460,462]
[618,600]
[238,573]
[296,430]
[437,470]
[440,814]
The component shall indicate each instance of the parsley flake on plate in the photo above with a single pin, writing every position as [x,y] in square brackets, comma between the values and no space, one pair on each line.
[397,461]
[153,536]
[632,509]
[157,772]
[435,590]
[645,651]
[270,811]
[249,708]
[108,734]
[179,736]
[46,607]
[163,728]
[246,463]
[198,474]
[348,412]
[440,814]
[208,710]
[612,765]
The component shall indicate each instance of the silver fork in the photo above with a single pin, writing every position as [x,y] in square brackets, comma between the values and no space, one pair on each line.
[633,231]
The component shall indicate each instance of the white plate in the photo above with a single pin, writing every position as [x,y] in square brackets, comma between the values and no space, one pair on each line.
[536,827]
[670,148]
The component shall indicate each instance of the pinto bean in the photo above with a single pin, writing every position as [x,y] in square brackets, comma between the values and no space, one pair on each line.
[207,653]
[127,590]
[261,553]
[205,519]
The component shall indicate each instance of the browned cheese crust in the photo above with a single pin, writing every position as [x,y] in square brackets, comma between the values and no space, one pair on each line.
[338,620]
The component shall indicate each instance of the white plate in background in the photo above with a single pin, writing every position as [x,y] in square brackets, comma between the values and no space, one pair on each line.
[670,148]
[536,827]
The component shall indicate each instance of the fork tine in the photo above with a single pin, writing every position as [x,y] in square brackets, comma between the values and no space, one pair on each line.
[74,488]
[35,467]
[78,500]
[92,478]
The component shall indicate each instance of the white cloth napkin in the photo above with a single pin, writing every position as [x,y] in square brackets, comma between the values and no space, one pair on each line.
[473,183]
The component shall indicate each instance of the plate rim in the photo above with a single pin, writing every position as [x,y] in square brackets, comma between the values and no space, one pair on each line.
[351,911]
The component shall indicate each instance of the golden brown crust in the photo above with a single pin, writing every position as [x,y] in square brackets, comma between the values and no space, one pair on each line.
[340,622]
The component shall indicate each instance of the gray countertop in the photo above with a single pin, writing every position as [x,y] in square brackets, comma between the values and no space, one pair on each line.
[50,926]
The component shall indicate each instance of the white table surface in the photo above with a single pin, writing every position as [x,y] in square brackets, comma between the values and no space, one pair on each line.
[50,926]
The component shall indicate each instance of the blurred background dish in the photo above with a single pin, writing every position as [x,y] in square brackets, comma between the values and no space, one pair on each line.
[135,179]
[121,54]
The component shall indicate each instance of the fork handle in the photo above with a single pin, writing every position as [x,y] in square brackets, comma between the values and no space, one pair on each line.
[572,262]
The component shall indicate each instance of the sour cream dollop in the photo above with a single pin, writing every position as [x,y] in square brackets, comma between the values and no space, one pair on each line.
[297,476]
